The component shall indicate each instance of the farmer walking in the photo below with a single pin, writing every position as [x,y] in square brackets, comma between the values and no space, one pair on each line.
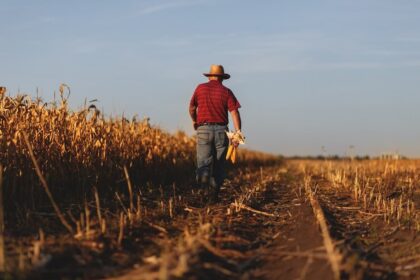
[209,108]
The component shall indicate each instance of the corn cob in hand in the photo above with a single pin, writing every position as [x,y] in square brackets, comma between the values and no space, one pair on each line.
[235,138]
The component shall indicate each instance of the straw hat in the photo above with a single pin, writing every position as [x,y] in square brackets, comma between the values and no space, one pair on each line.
[218,71]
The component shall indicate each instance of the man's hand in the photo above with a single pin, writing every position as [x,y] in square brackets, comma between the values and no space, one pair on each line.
[236,138]
[235,143]
[195,125]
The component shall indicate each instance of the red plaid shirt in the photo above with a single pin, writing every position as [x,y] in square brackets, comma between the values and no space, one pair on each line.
[213,101]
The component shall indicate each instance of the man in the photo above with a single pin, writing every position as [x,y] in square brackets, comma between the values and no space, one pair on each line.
[209,108]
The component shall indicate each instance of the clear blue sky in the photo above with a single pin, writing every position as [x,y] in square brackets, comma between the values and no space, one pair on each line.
[307,73]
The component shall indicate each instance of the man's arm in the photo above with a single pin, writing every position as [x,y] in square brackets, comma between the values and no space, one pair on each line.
[236,117]
[193,114]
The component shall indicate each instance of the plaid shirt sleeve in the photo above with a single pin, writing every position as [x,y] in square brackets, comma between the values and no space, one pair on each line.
[193,102]
[233,103]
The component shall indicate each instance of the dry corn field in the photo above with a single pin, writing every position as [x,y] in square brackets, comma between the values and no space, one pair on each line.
[84,196]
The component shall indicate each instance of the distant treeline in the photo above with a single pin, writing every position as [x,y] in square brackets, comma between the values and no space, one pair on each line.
[337,157]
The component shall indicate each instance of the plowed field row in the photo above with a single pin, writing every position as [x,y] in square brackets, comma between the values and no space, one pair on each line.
[273,223]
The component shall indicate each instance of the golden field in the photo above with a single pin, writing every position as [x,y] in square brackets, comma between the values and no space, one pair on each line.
[88,196]
[78,151]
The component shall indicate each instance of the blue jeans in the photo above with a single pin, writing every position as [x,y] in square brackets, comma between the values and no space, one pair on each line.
[212,143]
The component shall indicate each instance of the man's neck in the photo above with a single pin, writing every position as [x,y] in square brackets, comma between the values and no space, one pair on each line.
[215,79]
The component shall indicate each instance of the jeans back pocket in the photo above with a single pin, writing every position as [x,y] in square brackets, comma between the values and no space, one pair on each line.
[203,138]
[222,138]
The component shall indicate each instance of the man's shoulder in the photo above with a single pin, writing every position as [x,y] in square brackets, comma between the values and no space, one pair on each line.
[216,84]
[212,85]
[202,86]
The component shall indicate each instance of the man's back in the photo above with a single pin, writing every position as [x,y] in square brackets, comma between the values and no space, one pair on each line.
[213,101]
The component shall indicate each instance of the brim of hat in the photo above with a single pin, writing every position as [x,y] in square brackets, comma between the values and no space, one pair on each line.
[224,76]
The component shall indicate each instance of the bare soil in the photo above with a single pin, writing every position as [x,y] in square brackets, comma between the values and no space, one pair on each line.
[262,228]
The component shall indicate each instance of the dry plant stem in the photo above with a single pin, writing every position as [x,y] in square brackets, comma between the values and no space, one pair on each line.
[321,256]
[333,256]
[309,261]
[36,252]
[121,233]
[41,236]
[44,184]
[243,206]
[122,204]
[220,269]
[98,205]
[2,256]
[87,215]
[159,228]
[21,260]
[138,213]
[130,188]
[98,211]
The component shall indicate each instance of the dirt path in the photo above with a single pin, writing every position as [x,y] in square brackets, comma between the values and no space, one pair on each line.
[269,230]
[265,230]
[297,252]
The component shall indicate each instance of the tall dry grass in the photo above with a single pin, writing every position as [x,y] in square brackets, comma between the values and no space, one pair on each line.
[78,151]
[389,188]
